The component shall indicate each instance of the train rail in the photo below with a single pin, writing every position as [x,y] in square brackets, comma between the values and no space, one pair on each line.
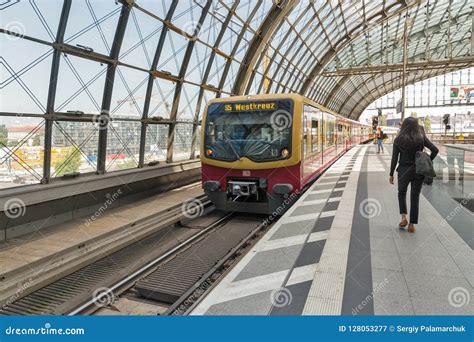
[193,256]
[150,236]
[187,274]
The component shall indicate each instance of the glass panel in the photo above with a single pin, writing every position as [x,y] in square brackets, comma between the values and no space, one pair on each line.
[156,143]
[24,73]
[22,152]
[74,148]
[123,145]
[38,19]
[128,97]
[182,142]
[80,85]
[92,24]
[141,39]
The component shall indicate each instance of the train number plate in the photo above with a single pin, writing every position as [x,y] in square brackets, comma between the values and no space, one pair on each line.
[246,173]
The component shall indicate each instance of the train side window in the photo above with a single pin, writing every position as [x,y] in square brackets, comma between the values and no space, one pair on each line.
[305,135]
[330,127]
[314,135]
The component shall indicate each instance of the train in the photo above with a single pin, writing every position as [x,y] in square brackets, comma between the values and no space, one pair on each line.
[259,152]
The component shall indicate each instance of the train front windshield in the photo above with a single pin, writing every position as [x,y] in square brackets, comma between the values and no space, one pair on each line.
[259,130]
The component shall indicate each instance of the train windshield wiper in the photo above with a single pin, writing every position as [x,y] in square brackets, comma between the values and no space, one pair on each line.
[231,147]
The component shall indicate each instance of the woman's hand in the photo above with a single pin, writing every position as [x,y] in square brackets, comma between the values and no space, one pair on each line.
[390,179]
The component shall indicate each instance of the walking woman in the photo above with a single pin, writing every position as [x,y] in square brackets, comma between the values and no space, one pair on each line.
[409,140]
[379,136]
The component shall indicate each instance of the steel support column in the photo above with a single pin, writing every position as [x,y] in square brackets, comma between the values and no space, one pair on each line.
[210,61]
[151,80]
[104,117]
[274,17]
[472,34]
[240,37]
[179,83]
[407,24]
[53,82]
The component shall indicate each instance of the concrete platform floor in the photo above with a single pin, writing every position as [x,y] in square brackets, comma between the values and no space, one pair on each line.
[26,263]
[339,251]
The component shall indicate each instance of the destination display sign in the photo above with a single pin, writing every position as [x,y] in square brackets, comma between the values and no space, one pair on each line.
[250,106]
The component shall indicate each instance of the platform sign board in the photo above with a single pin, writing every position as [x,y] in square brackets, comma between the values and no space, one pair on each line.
[461,92]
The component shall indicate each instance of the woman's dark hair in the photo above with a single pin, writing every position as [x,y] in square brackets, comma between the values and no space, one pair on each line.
[410,134]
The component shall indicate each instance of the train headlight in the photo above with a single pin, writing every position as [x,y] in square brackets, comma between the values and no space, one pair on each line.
[209,152]
[285,153]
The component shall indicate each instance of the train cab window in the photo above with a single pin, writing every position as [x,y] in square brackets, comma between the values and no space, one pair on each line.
[259,130]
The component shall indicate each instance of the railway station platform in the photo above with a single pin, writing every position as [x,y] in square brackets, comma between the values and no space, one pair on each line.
[339,251]
[33,260]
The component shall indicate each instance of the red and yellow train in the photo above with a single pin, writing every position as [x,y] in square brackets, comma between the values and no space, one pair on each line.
[257,151]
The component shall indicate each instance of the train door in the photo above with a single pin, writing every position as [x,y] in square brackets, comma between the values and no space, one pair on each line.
[304,136]
[340,146]
[312,139]
[329,151]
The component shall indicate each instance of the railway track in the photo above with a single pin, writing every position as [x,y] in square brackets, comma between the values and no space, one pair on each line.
[164,269]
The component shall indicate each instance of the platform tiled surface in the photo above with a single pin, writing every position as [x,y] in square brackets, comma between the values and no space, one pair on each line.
[338,250]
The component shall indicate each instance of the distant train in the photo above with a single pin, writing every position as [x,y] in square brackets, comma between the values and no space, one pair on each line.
[259,151]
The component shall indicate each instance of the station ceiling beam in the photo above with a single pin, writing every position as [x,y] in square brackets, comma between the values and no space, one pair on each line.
[275,16]
[463,62]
